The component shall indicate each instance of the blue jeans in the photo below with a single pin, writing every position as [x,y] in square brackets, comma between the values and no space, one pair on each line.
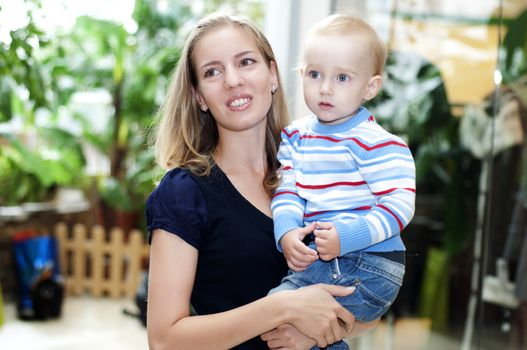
[377,281]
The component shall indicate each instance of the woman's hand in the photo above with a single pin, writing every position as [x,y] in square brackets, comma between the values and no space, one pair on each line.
[314,311]
[287,337]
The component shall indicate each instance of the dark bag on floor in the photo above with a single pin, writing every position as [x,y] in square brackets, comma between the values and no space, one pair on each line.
[40,285]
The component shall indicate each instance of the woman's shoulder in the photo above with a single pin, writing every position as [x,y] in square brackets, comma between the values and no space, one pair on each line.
[176,184]
[177,205]
[176,176]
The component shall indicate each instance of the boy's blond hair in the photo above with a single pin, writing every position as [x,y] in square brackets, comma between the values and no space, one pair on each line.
[343,24]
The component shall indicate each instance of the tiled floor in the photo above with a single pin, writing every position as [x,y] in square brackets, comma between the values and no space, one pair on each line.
[85,324]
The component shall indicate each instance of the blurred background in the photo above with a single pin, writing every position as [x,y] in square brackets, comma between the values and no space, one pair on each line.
[80,82]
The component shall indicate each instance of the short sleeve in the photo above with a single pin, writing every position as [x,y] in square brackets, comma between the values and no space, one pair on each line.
[178,206]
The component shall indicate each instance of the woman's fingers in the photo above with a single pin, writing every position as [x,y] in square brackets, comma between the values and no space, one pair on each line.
[337,291]
[347,319]
[287,337]
[323,321]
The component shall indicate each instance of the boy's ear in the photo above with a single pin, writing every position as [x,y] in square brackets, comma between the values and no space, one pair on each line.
[373,88]
[201,102]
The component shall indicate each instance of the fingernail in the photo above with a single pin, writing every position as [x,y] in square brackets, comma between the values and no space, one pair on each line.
[351,288]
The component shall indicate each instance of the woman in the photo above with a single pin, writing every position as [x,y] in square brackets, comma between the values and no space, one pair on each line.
[209,218]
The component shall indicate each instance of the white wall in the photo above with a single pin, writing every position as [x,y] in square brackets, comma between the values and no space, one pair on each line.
[286,22]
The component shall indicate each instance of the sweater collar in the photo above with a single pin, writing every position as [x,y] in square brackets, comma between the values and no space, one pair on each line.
[362,114]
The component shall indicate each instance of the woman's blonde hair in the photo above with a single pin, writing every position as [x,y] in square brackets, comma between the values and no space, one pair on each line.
[186,137]
[345,23]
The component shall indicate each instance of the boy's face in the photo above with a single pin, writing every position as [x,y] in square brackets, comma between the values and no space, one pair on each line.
[338,76]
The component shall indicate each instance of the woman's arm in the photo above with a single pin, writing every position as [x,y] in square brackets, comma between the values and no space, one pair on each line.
[173,262]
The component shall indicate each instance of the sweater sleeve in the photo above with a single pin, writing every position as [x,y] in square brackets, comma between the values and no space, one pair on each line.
[287,206]
[389,171]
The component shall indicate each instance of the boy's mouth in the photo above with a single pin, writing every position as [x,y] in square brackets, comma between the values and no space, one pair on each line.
[325,105]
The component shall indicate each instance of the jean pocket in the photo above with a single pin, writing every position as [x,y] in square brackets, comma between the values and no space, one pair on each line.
[372,298]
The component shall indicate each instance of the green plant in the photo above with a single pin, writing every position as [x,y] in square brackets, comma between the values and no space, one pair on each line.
[132,65]
[29,85]
[30,175]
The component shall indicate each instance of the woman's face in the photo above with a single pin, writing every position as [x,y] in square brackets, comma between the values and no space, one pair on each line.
[234,80]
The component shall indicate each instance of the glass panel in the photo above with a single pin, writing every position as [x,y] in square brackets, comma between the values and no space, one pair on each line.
[466,133]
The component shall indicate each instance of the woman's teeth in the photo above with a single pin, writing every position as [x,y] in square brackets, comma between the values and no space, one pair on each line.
[239,102]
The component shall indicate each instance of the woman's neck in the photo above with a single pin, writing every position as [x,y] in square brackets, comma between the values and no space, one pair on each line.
[238,153]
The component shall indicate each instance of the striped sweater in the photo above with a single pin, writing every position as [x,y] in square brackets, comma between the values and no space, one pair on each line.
[355,174]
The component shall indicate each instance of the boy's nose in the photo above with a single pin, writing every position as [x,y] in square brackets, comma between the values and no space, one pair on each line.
[326,87]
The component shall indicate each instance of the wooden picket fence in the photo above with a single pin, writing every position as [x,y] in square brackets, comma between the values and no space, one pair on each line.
[93,264]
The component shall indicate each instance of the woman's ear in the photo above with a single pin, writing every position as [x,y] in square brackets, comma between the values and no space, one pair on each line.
[201,102]
[373,87]
[274,77]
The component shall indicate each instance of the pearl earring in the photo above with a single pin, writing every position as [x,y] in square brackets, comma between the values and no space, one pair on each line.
[273,90]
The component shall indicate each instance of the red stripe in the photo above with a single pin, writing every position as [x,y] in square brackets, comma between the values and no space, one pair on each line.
[287,168]
[313,214]
[354,139]
[290,134]
[343,183]
[380,145]
[395,216]
[366,207]
[284,192]
[322,137]
[393,189]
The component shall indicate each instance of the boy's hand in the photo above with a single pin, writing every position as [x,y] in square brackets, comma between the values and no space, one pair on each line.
[298,255]
[327,241]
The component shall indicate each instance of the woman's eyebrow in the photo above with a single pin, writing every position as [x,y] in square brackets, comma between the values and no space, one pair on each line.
[215,62]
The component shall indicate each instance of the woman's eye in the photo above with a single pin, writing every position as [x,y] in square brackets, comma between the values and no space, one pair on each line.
[314,74]
[246,62]
[211,72]
[343,77]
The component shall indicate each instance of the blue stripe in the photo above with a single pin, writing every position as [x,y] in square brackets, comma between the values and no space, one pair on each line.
[330,171]
[402,157]
[301,150]
[373,181]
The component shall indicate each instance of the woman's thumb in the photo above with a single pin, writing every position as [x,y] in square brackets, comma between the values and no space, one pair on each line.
[339,291]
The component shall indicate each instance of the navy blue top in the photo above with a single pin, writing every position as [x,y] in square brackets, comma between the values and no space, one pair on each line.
[238,261]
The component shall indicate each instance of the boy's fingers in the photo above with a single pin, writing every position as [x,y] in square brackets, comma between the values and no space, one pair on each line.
[324,225]
[321,233]
[305,250]
[304,231]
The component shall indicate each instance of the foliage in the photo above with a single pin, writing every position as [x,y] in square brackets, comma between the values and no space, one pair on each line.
[133,65]
[26,88]
[514,49]
[30,176]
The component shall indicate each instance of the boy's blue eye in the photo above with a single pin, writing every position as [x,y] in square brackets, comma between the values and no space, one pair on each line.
[314,74]
[343,77]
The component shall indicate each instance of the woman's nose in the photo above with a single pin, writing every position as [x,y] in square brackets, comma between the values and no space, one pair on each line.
[233,78]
